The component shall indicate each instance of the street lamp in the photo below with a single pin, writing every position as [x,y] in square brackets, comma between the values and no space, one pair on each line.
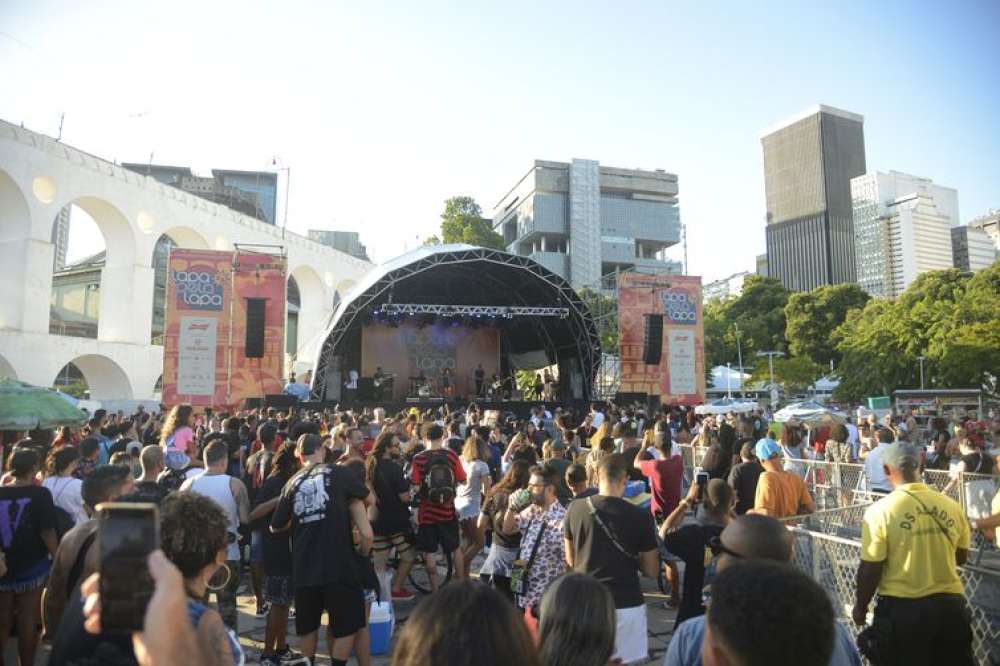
[739,351]
[729,381]
[921,359]
[770,362]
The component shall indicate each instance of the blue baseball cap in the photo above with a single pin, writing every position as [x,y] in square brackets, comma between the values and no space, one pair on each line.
[766,449]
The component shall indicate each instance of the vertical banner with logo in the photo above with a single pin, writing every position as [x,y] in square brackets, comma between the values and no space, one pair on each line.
[679,377]
[204,360]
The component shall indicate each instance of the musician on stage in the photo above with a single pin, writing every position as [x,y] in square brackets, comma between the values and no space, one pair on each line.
[379,381]
[447,383]
[351,385]
[480,377]
[537,387]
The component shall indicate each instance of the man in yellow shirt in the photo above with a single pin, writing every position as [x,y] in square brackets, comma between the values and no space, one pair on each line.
[780,494]
[912,540]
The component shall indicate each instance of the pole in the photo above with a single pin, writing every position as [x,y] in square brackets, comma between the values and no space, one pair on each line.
[770,367]
[739,352]
[288,179]
[729,382]
[921,359]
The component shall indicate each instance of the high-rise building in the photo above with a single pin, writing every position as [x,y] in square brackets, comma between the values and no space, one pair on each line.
[809,161]
[345,241]
[253,193]
[972,248]
[989,222]
[902,228]
[762,265]
[584,221]
[726,287]
[60,238]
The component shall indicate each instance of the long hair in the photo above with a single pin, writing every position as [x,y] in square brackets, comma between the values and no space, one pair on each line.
[60,459]
[516,478]
[475,449]
[177,418]
[577,622]
[382,445]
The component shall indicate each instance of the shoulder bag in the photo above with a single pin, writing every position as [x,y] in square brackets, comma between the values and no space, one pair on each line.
[519,568]
[607,530]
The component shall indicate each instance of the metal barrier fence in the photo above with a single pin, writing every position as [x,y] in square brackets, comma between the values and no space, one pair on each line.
[833,562]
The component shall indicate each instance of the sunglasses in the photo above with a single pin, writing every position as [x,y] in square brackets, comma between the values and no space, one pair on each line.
[717,547]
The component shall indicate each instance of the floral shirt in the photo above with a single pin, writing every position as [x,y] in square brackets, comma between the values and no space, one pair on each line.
[550,560]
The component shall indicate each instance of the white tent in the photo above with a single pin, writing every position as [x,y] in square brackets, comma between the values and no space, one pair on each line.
[728,378]
[725,406]
[809,412]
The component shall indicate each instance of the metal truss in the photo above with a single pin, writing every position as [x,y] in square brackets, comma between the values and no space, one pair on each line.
[586,343]
[507,312]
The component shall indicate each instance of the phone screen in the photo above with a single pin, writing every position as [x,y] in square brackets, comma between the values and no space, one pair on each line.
[702,480]
[127,534]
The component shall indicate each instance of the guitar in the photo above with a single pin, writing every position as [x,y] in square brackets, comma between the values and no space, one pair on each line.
[378,382]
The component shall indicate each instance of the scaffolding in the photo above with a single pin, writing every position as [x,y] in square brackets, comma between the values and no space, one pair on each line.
[601,298]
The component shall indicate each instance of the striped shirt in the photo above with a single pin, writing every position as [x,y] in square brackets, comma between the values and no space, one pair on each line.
[428,512]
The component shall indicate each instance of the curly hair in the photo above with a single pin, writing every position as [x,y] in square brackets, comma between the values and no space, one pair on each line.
[177,418]
[192,531]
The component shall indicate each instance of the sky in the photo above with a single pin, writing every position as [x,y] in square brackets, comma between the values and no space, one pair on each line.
[383,110]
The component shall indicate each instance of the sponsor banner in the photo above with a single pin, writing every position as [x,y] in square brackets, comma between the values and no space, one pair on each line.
[679,377]
[204,359]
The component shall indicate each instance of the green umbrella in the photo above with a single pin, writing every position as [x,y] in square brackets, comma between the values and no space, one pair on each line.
[25,407]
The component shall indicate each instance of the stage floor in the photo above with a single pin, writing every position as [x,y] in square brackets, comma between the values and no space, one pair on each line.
[521,408]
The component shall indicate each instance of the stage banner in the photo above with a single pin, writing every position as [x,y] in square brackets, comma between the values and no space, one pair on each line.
[679,377]
[204,360]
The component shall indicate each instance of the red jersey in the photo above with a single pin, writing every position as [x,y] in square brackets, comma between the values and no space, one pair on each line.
[429,512]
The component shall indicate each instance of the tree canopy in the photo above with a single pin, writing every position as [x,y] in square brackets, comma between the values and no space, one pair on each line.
[812,316]
[758,313]
[462,222]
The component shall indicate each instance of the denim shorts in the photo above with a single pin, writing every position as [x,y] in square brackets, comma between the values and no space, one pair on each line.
[278,590]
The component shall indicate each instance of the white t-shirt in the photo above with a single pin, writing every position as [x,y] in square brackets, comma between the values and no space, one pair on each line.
[467,495]
[66,495]
[873,468]
[597,418]
[352,380]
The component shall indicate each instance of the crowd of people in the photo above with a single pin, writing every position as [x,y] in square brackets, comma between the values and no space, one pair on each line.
[547,524]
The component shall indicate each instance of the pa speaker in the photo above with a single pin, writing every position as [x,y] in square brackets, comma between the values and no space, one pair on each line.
[652,347]
[256,309]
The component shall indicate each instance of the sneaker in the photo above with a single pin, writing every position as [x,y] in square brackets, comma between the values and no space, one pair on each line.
[291,613]
[403,594]
[270,660]
[262,609]
[288,656]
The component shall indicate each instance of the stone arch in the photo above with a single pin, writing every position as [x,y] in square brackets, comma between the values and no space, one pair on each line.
[183,237]
[105,378]
[311,288]
[13,210]
[312,304]
[6,369]
[118,233]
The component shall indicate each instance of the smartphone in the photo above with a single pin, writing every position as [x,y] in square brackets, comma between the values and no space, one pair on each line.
[701,479]
[126,534]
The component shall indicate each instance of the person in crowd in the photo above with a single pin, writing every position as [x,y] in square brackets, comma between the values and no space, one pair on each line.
[780,493]
[878,481]
[750,599]
[604,447]
[612,540]
[937,454]
[689,542]
[468,497]
[65,487]
[911,543]
[455,441]
[76,557]
[259,465]
[320,503]
[748,538]
[278,589]
[28,540]
[838,448]
[576,480]
[559,464]
[435,474]
[464,624]
[230,494]
[743,479]
[665,472]
[577,623]
[230,434]
[505,547]
[147,489]
[538,517]
[391,520]
[630,450]
[177,436]
[90,450]
[794,444]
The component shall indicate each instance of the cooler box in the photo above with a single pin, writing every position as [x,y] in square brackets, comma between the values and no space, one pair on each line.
[633,488]
[381,622]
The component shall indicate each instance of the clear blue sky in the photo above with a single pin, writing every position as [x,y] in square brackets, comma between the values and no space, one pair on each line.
[383,110]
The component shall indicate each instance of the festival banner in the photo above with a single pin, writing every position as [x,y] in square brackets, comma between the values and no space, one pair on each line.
[204,359]
[679,378]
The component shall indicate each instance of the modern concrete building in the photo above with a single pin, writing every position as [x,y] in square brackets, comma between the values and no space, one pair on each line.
[902,228]
[60,238]
[990,223]
[726,287]
[809,161]
[762,265]
[584,221]
[972,248]
[345,241]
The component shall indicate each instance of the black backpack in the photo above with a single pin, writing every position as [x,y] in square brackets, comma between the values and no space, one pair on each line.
[171,479]
[439,478]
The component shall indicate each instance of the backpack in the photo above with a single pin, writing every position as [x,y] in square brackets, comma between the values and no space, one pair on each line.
[171,478]
[438,484]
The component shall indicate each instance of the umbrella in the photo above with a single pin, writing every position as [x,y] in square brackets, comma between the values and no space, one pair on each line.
[725,406]
[25,407]
[67,397]
[809,412]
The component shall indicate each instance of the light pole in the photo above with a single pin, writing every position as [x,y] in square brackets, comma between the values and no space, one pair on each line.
[739,353]
[729,381]
[770,362]
[921,359]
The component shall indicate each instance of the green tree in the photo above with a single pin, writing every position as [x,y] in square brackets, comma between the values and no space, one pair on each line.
[462,222]
[604,311]
[794,374]
[757,316]
[432,240]
[812,316]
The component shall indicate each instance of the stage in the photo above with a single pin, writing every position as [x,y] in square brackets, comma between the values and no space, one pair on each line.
[520,408]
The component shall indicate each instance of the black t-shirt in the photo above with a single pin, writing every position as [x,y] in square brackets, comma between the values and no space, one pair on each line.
[147,491]
[585,493]
[393,513]
[494,508]
[978,463]
[560,465]
[456,444]
[277,547]
[315,500]
[596,554]
[24,512]
[743,480]
[689,544]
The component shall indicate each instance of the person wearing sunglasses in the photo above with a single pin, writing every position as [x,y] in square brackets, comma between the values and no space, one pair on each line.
[749,537]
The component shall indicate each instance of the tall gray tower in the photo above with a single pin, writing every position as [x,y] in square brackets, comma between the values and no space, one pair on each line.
[809,161]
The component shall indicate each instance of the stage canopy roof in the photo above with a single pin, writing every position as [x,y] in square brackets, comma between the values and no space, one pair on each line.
[469,275]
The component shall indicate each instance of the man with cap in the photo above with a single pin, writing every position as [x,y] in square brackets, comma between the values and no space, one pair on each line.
[779,493]
[912,540]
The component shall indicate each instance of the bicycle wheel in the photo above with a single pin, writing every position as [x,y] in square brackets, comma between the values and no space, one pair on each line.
[418,574]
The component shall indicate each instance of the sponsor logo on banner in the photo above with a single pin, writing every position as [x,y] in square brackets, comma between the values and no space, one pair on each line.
[678,307]
[198,290]
[196,350]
